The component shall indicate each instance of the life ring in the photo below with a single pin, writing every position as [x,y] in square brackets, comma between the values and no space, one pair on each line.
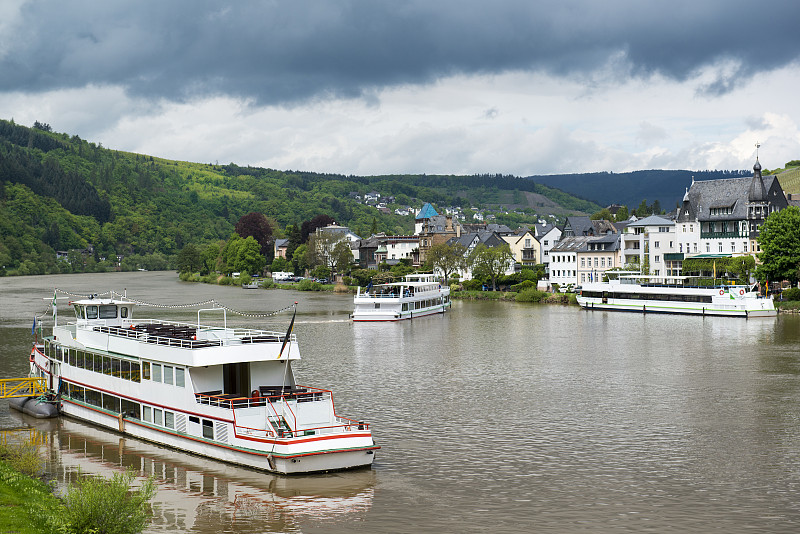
[721,292]
[741,292]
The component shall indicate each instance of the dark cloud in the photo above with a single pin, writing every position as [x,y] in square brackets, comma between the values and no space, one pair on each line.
[278,52]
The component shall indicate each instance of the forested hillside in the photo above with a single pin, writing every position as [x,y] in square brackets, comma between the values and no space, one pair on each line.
[63,193]
[630,188]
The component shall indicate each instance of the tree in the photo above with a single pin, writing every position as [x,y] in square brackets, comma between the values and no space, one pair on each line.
[322,246]
[342,256]
[448,258]
[279,264]
[491,262]
[256,225]
[779,239]
[603,214]
[622,213]
[300,259]
[310,227]
[248,257]
[189,259]
[643,210]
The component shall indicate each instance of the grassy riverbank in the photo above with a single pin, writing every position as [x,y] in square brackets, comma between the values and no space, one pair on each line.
[29,506]
[26,504]
[527,295]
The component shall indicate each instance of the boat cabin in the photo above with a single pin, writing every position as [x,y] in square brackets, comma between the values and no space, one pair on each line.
[103,312]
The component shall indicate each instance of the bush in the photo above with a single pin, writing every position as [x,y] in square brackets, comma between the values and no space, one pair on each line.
[472,285]
[525,284]
[793,293]
[346,280]
[308,285]
[109,506]
[531,294]
[24,457]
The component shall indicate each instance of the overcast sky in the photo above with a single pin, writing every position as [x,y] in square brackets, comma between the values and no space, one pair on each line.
[421,86]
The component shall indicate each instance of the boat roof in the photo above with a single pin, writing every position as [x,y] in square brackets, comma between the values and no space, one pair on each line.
[101,301]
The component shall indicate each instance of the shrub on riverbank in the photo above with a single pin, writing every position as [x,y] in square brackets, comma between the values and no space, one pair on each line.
[109,505]
[791,294]
[531,295]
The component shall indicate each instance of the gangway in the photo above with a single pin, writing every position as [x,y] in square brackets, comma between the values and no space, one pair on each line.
[22,387]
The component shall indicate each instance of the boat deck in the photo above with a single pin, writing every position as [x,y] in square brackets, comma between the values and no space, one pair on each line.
[186,336]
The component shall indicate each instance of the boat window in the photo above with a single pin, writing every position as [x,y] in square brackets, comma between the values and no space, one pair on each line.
[123,312]
[147,414]
[180,379]
[106,365]
[116,367]
[169,419]
[93,397]
[111,403]
[168,374]
[135,375]
[79,312]
[108,311]
[145,370]
[131,409]
[98,363]
[125,369]
[208,429]
[91,312]
[158,417]
[156,372]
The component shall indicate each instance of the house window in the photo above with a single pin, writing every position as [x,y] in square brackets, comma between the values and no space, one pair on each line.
[733,247]
[720,246]
[583,262]
[680,247]
[708,247]
[602,262]
[656,244]
[527,243]
[657,259]
[595,262]
[687,247]
[545,242]
[745,247]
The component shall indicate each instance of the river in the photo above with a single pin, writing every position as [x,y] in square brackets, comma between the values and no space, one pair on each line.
[495,417]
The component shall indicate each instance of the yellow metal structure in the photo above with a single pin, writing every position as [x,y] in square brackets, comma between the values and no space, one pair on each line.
[22,387]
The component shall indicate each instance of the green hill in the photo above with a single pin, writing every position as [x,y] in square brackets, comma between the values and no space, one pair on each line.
[790,180]
[63,193]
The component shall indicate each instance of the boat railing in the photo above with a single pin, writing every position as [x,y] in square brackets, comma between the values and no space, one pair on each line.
[186,335]
[343,425]
[233,401]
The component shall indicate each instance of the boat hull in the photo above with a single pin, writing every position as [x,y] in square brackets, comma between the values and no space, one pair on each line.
[395,315]
[347,452]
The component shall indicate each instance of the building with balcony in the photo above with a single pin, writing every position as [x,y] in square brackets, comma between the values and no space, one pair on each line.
[524,247]
[724,216]
[646,242]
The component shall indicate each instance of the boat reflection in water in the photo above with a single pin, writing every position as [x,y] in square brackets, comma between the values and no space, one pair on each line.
[203,495]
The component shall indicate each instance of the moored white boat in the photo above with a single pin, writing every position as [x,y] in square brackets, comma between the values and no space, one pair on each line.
[226,393]
[416,296]
[647,294]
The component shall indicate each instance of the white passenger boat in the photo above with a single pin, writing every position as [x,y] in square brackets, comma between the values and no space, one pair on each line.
[648,294]
[417,295]
[226,393]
